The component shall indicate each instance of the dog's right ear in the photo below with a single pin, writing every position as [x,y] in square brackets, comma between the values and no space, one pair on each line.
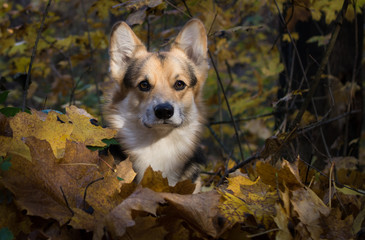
[123,45]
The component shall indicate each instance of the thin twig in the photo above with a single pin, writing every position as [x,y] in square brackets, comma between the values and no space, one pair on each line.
[172,5]
[246,161]
[92,182]
[26,86]
[335,181]
[148,33]
[91,50]
[292,41]
[187,8]
[65,198]
[224,148]
[317,78]
[323,122]
[228,106]
[66,56]
[245,119]
[211,25]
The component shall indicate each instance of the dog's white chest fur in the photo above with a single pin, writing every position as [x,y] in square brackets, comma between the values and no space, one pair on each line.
[168,154]
[165,151]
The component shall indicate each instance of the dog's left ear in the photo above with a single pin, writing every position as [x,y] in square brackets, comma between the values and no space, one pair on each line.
[192,39]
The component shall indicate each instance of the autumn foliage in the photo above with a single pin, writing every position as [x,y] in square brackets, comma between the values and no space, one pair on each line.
[55,176]
[59,178]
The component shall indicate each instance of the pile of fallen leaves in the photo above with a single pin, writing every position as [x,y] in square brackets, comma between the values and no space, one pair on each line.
[58,180]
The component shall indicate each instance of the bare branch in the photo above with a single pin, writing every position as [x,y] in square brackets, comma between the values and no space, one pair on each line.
[26,86]
[324,62]
[228,106]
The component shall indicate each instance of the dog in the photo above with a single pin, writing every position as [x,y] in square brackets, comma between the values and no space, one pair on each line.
[156,105]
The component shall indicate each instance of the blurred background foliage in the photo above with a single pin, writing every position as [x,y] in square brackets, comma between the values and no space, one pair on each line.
[245,40]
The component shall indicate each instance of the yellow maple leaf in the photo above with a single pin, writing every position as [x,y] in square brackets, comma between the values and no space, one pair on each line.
[53,131]
[89,134]
[248,197]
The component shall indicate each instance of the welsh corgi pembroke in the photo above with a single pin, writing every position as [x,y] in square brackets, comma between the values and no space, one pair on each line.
[156,105]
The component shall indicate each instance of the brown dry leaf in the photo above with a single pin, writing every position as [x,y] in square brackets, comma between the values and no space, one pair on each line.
[287,175]
[143,199]
[281,220]
[145,228]
[78,162]
[36,185]
[154,181]
[336,228]
[199,210]
[14,220]
[255,198]
[103,196]
[86,132]
[309,208]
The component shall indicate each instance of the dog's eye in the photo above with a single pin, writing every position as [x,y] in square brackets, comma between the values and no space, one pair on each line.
[179,85]
[144,86]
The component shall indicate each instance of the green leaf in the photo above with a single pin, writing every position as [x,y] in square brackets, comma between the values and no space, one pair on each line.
[6,234]
[111,141]
[108,142]
[120,179]
[11,111]
[5,166]
[3,96]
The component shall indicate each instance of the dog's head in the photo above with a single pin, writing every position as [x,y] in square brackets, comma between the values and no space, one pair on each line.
[159,89]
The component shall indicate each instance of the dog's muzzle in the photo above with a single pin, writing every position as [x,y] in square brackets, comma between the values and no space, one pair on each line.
[164,111]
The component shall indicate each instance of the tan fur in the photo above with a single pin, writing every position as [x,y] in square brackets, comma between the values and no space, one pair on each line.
[167,144]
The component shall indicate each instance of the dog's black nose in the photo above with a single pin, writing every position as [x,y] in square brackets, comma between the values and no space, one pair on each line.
[164,111]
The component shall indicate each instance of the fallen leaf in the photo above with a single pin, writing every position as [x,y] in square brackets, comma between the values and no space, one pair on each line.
[336,228]
[120,217]
[86,132]
[309,208]
[29,125]
[154,181]
[199,210]
[14,220]
[356,227]
[249,197]
[281,220]
[287,175]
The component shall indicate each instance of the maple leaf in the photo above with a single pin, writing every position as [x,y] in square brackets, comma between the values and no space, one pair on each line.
[53,131]
[154,181]
[199,210]
[85,132]
[248,197]
[37,184]
[287,175]
[142,199]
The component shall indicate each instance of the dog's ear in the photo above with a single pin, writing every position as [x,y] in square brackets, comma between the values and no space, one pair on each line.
[123,45]
[192,39]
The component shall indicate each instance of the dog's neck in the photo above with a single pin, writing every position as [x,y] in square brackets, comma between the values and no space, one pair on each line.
[167,152]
